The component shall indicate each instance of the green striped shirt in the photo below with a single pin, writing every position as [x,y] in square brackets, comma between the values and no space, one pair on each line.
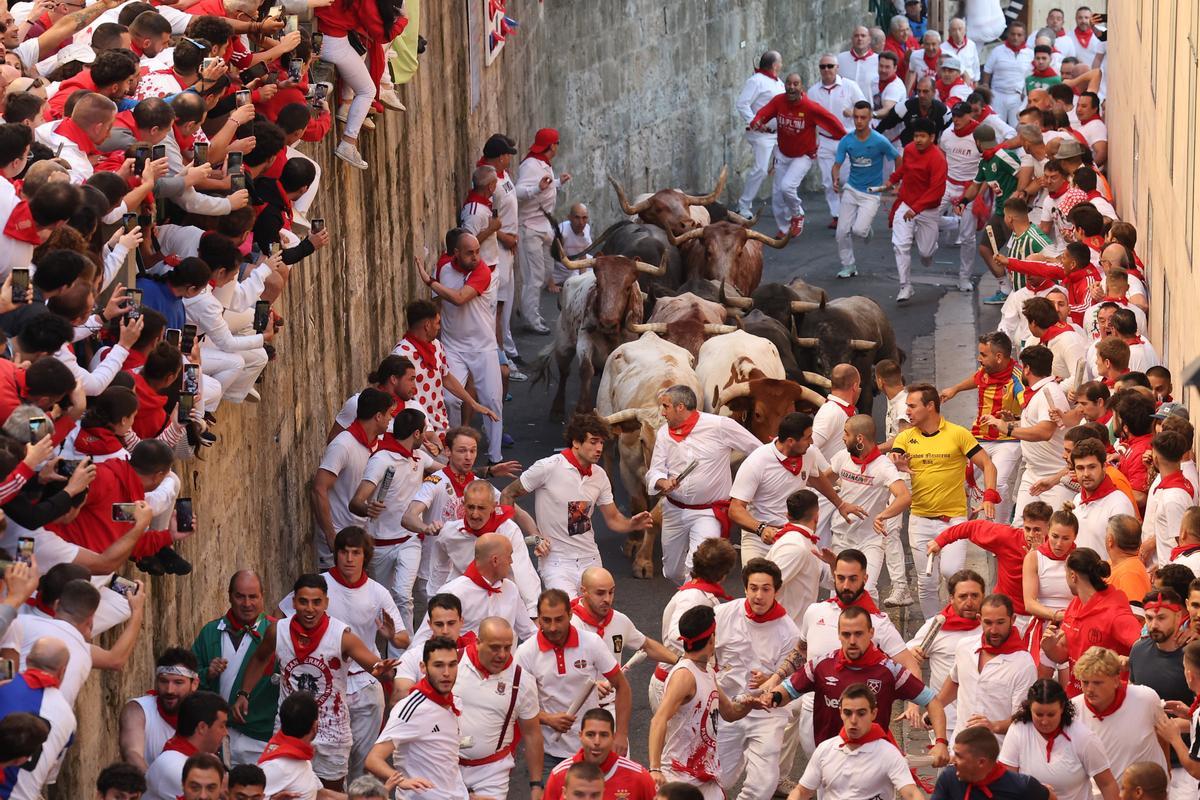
[1023,246]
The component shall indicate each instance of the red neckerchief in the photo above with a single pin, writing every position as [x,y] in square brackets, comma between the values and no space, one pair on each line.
[791,528]
[984,113]
[501,515]
[1135,340]
[766,73]
[984,379]
[456,485]
[865,460]
[958,48]
[172,717]
[472,573]
[1176,481]
[539,156]
[425,352]
[1044,549]
[444,700]
[956,623]
[846,407]
[472,653]
[392,445]
[76,135]
[36,679]
[871,657]
[1055,194]
[545,645]
[1183,550]
[1013,644]
[1016,50]
[231,624]
[874,734]
[20,225]
[1055,330]
[943,89]
[1048,72]
[863,57]
[580,609]
[360,435]
[465,641]
[774,612]
[1105,488]
[1113,707]
[454,263]
[931,65]
[1050,740]
[793,464]
[863,601]
[313,637]
[1084,37]
[180,745]
[680,433]
[483,162]
[900,49]
[715,589]
[283,746]
[97,442]
[185,142]
[339,578]
[996,774]
[569,455]
[40,605]
[472,197]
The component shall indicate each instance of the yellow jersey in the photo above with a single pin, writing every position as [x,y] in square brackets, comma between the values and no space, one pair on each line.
[938,461]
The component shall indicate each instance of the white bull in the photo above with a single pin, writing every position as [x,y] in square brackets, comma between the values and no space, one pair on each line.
[634,375]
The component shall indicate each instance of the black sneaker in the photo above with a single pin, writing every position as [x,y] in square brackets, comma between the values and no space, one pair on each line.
[173,563]
[151,565]
[210,418]
[207,439]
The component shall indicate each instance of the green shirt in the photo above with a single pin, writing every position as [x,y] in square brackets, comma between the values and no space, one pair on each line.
[1022,246]
[264,699]
[1034,82]
[1000,171]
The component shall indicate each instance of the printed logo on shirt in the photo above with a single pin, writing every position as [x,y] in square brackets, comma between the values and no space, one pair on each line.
[580,663]
[434,479]
[500,687]
[579,517]
[618,643]
[310,675]
[875,685]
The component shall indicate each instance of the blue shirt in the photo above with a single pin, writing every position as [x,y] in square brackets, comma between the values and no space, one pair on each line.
[157,295]
[1010,786]
[866,158]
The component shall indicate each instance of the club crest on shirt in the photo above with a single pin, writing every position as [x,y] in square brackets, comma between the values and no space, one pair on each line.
[580,663]
[500,687]
[875,685]
[618,643]
[434,479]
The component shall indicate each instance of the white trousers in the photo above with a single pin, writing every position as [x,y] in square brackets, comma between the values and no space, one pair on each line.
[857,214]
[395,566]
[354,77]
[236,372]
[533,252]
[1006,457]
[751,745]
[1182,785]
[963,225]
[565,573]
[484,367]
[789,174]
[1055,496]
[210,392]
[762,146]
[1007,105]
[921,531]
[505,297]
[878,550]
[488,780]
[243,749]
[753,547]
[683,529]
[923,229]
[826,154]
[366,720]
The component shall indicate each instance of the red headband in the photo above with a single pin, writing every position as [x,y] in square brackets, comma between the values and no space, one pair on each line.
[688,641]
[1155,605]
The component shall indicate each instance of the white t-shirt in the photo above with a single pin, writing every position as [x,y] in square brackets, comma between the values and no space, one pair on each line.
[1164,516]
[828,424]
[1074,759]
[564,502]
[471,327]
[819,631]
[867,485]
[485,699]
[1093,131]
[1044,459]
[709,444]
[345,458]
[406,478]
[875,770]
[1094,516]
[457,547]
[1136,716]
[1009,69]
[620,633]
[745,646]
[897,413]
[479,604]
[764,484]
[79,666]
[802,569]
[997,690]
[291,775]
[427,737]
[348,413]
[962,159]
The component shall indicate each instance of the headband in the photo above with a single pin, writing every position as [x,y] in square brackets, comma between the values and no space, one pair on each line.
[688,641]
[176,669]
[1155,605]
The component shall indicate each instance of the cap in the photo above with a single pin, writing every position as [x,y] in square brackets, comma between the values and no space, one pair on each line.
[498,145]
[1069,148]
[985,134]
[78,51]
[543,139]
[911,2]
[1171,410]
[951,62]
[960,109]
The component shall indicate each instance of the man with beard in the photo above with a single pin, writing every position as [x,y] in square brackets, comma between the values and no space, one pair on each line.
[1099,499]
[147,722]
[992,673]
[624,779]
[223,648]
[593,611]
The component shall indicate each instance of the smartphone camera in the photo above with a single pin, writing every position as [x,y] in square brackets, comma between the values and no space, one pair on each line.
[186,403]
[123,586]
[262,315]
[200,153]
[123,512]
[235,163]
[243,97]
[295,69]
[158,152]
[318,224]
[140,154]
[66,467]
[25,550]
[20,285]
[135,303]
[37,428]
[185,518]
[188,339]
[172,337]
[191,379]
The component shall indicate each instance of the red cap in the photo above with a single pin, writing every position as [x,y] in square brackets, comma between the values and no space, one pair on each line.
[543,139]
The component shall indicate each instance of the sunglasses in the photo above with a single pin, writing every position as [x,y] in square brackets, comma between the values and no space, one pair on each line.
[829,66]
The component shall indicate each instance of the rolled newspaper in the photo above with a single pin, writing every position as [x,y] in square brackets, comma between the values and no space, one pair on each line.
[991,234]
[634,660]
[582,698]
[935,627]
[929,559]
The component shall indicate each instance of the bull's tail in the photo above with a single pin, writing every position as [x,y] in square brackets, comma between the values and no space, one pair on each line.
[540,368]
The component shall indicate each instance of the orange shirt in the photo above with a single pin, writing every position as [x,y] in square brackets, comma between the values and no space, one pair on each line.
[1131,578]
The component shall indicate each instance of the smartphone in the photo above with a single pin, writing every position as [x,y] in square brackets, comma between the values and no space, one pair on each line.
[37,428]
[123,586]
[123,512]
[247,76]
[188,339]
[134,299]
[209,63]
[291,24]
[25,549]
[274,249]
[237,182]
[6,669]
[295,69]
[318,39]
[140,154]
[243,97]
[200,153]
[130,221]
[58,150]
[20,285]
[158,151]
[262,315]
[185,518]
[318,224]
[191,379]
[234,164]
[66,467]
[275,12]
[172,336]
[320,92]
[186,403]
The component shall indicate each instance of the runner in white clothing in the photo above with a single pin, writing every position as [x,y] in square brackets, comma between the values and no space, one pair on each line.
[756,91]
[837,95]
[286,762]
[147,722]
[829,423]
[568,486]
[696,506]
[796,553]
[1169,498]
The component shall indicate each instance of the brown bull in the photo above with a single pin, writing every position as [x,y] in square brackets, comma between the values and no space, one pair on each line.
[727,252]
[669,209]
[761,403]
[686,320]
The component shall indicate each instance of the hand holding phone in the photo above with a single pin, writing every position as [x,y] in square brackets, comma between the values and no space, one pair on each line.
[124,512]
[185,517]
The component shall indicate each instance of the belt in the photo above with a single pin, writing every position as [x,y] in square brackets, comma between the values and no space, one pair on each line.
[720,509]
[499,755]
[661,672]
[826,136]
[941,518]
[387,542]
[959,183]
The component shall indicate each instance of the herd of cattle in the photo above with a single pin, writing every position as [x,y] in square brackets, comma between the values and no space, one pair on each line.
[676,297]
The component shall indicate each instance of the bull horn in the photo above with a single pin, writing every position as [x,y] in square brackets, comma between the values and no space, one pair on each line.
[739,302]
[650,269]
[804,306]
[816,379]
[740,220]
[583,263]
[631,210]
[694,233]
[703,200]
[648,327]
[862,344]
[732,393]
[711,329]
[811,396]
[778,244]
[807,341]
[625,415]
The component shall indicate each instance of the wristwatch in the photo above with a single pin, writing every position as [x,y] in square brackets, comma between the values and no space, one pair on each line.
[538,784]
[242,693]
[762,526]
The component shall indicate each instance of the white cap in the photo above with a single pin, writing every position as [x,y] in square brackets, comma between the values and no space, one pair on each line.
[75,52]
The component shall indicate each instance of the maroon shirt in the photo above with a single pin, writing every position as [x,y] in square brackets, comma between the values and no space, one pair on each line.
[828,677]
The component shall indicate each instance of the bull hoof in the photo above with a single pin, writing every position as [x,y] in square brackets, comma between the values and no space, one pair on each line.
[643,570]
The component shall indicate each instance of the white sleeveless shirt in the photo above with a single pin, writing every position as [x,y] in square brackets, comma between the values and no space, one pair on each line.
[158,730]
[690,747]
[322,674]
[1052,582]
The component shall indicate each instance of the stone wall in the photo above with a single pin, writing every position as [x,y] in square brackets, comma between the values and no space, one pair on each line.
[641,88]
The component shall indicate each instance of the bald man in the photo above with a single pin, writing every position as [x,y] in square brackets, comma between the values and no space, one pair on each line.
[1144,780]
[576,232]
[828,422]
[860,63]
[872,482]
[35,691]
[485,590]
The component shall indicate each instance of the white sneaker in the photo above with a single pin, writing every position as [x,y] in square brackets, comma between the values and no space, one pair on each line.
[965,285]
[905,293]
[343,113]
[901,595]
[390,99]
[349,153]
[515,374]
[252,396]
[368,124]
[742,211]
